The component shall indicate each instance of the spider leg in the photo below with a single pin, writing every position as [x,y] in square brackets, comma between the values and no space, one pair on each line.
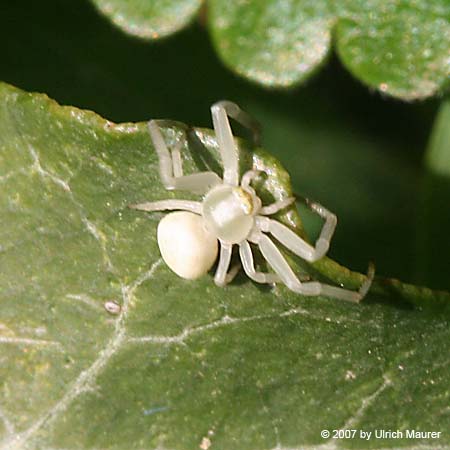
[276,206]
[247,179]
[220,112]
[248,264]
[170,167]
[294,242]
[323,242]
[277,261]
[222,275]
[177,164]
[273,208]
[163,205]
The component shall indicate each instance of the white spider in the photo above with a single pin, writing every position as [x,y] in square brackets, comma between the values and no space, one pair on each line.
[232,214]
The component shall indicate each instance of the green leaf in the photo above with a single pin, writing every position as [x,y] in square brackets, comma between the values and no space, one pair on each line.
[401,48]
[433,244]
[398,47]
[272,43]
[438,153]
[183,363]
[149,19]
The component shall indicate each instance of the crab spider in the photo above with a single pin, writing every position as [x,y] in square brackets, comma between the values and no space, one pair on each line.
[231,213]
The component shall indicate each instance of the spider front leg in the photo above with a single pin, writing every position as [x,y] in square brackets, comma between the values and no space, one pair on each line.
[220,112]
[171,169]
[295,243]
[326,234]
[279,264]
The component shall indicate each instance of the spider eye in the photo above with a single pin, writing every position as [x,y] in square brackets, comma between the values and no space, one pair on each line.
[245,200]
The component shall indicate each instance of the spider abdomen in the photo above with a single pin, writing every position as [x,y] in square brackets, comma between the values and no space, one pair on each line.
[228,213]
[185,245]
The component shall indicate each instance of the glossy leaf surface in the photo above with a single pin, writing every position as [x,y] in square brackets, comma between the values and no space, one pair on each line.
[183,363]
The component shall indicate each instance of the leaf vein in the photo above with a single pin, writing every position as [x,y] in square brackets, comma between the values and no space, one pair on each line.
[86,378]
[28,341]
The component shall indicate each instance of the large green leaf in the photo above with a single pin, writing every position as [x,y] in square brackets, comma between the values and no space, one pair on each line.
[183,364]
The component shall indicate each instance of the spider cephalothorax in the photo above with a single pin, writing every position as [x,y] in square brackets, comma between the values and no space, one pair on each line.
[231,213]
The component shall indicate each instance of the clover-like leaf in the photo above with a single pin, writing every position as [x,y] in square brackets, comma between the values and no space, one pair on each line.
[149,19]
[103,347]
[400,48]
[273,43]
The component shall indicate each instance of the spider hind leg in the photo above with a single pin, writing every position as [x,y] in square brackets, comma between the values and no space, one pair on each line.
[311,288]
